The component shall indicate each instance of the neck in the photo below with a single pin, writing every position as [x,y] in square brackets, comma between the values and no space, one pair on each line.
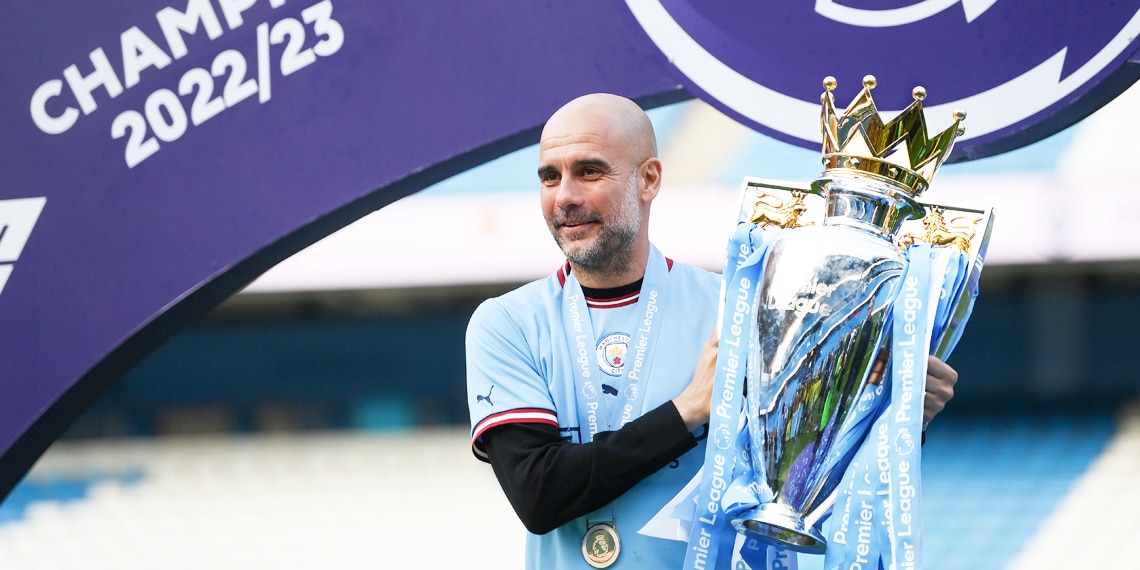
[605,280]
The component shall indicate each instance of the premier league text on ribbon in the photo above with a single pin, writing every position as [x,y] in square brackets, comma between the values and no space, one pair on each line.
[911,303]
[732,365]
[718,460]
[863,523]
[165,116]
[911,345]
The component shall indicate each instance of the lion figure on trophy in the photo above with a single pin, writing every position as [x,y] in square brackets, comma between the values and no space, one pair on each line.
[959,234]
[772,211]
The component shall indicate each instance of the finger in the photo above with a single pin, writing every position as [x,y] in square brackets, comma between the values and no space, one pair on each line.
[939,392]
[940,371]
[930,409]
[878,366]
[940,380]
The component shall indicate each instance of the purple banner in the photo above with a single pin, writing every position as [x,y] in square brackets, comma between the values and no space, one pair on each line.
[160,154]
[1022,70]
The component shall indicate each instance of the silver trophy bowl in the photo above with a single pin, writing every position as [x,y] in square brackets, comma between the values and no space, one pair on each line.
[821,322]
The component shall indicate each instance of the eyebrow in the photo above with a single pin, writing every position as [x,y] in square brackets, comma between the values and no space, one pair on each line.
[578,165]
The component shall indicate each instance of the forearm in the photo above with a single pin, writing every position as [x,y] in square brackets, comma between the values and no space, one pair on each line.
[550,482]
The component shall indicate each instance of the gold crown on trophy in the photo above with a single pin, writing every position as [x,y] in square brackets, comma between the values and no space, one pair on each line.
[859,140]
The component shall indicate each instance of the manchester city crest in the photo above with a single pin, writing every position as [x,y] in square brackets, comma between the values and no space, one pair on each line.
[611,353]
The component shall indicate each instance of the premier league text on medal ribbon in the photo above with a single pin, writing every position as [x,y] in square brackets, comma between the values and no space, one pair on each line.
[583,360]
[643,339]
[164,117]
[639,353]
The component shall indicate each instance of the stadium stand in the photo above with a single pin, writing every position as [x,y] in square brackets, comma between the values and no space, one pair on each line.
[1004,492]
[398,500]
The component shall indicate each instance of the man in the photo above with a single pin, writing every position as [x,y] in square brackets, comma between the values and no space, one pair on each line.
[589,388]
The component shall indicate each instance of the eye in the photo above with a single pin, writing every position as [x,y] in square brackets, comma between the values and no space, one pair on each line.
[548,178]
[592,170]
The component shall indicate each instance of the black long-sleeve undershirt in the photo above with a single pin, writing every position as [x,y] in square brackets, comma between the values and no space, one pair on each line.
[550,482]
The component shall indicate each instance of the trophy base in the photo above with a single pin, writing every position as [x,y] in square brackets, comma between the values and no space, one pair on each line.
[781,526]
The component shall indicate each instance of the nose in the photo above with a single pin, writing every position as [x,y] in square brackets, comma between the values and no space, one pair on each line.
[569,194]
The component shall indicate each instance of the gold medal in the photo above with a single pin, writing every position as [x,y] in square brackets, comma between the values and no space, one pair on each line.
[601,545]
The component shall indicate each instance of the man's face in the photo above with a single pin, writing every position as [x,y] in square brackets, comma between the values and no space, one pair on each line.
[590,198]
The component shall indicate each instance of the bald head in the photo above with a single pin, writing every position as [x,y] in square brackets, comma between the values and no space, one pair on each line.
[613,118]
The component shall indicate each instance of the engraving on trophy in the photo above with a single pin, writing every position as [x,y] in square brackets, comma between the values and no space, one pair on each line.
[770,210]
[959,233]
[808,299]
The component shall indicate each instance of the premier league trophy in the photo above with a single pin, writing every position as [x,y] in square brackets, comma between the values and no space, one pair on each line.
[830,304]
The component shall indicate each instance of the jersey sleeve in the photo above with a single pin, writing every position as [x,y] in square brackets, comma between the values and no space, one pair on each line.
[505,383]
[550,482]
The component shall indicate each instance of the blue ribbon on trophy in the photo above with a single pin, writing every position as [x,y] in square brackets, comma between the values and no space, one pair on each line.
[813,303]
[883,484]
[710,531]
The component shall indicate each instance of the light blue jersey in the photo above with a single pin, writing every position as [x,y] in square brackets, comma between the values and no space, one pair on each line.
[521,369]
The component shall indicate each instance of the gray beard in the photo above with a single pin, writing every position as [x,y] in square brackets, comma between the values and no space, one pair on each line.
[611,252]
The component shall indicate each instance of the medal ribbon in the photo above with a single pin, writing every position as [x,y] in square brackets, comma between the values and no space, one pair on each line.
[581,342]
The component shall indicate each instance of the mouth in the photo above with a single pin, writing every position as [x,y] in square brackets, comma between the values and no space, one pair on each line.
[574,224]
[574,231]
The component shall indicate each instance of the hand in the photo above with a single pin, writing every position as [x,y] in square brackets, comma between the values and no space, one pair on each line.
[695,401]
[878,366]
[940,380]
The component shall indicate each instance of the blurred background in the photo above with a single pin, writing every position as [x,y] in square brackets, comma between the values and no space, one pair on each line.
[318,419]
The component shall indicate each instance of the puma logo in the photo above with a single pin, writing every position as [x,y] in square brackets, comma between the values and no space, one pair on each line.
[481,398]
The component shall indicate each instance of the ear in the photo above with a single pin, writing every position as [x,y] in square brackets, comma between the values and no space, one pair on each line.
[650,177]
